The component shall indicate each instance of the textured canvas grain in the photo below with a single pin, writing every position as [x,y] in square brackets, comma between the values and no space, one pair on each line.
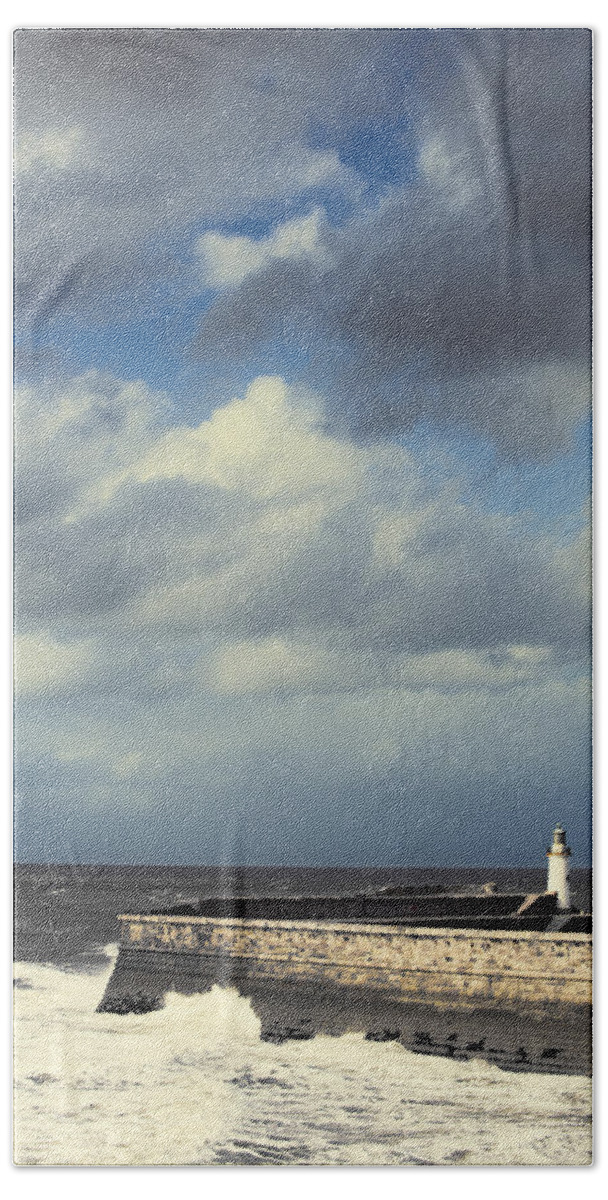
[302,476]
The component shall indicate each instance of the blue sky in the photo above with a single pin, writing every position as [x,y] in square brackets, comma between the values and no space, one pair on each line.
[303,441]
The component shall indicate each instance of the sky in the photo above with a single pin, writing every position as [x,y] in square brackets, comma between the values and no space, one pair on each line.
[302,325]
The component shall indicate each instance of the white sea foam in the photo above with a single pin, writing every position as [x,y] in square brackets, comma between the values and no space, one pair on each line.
[193,1083]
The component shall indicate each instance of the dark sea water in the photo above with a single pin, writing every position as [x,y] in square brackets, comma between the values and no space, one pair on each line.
[194,1084]
[65,913]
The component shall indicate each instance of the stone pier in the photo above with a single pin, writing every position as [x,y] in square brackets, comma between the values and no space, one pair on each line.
[521,998]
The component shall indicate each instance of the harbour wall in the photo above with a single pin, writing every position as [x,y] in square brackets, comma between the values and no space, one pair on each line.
[519,999]
[539,972]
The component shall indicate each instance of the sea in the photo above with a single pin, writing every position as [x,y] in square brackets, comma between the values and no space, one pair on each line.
[193,1084]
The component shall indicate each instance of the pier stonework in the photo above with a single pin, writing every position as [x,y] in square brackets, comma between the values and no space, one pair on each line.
[456,991]
[539,970]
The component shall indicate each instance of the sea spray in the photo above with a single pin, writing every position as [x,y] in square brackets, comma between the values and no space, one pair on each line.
[193,1083]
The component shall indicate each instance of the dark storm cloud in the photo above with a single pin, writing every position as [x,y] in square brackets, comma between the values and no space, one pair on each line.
[490,764]
[131,137]
[448,298]
[465,260]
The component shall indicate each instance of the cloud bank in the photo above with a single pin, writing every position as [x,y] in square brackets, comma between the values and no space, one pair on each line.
[256,599]
[302,443]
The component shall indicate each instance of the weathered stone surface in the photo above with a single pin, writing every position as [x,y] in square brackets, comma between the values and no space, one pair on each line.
[536,971]
[522,1001]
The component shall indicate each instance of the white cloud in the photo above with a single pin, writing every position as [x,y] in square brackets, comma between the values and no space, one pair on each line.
[44,666]
[503,667]
[55,149]
[267,445]
[277,664]
[315,168]
[227,261]
[67,442]
[296,665]
[447,170]
[107,746]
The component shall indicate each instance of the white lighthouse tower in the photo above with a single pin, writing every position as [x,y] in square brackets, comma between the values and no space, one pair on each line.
[558,875]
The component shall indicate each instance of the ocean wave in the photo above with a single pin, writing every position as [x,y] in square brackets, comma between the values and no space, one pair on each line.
[193,1084]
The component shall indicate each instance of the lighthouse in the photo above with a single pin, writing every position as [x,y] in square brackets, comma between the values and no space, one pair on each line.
[558,875]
